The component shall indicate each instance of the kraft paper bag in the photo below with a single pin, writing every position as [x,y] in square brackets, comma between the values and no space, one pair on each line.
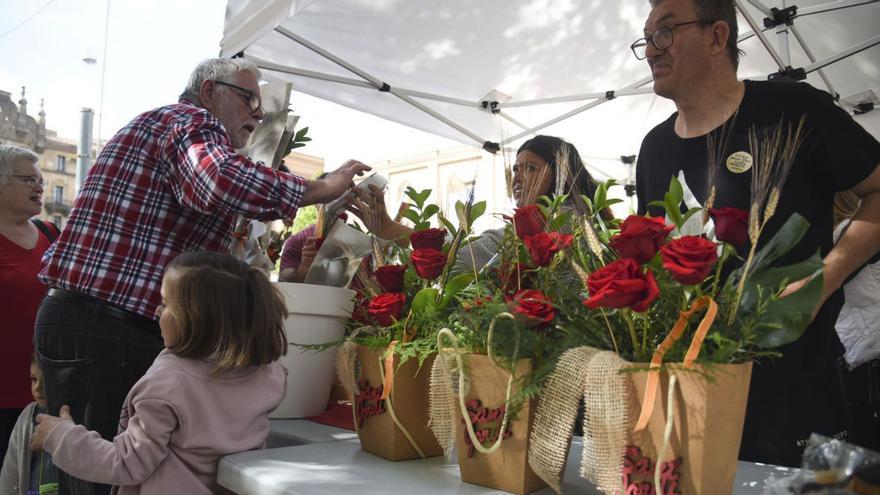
[377,431]
[507,468]
[708,416]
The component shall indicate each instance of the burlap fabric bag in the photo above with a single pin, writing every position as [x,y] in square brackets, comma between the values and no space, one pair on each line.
[592,376]
[674,429]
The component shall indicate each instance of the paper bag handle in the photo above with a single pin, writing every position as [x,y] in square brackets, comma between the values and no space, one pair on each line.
[461,393]
[689,357]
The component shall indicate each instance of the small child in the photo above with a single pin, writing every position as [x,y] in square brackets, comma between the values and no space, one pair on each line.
[26,472]
[208,394]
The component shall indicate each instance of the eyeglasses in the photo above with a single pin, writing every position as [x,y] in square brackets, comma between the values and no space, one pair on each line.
[661,38]
[253,101]
[32,180]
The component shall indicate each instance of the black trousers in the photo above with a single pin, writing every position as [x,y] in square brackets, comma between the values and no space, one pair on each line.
[91,355]
[782,413]
[863,396]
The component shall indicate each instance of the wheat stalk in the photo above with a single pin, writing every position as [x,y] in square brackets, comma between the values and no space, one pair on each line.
[378,255]
[716,147]
[773,156]
[562,171]
[710,202]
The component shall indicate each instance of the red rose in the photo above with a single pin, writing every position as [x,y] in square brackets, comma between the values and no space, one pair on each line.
[390,277]
[621,284]
[532,307]
[528,220]
[640,237]
[428,262]
[428,239]
[689,259]
[543,245]
[385,309]
[731,225]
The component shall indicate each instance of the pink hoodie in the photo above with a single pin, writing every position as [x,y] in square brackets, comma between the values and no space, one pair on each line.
[176,424]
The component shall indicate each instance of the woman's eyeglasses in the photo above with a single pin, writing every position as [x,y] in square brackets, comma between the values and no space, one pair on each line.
[32,180]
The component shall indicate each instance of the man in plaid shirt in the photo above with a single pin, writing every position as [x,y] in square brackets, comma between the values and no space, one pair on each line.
[168,182]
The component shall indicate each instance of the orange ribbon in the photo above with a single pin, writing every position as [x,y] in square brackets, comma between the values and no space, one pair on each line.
[389,370]
[689,357]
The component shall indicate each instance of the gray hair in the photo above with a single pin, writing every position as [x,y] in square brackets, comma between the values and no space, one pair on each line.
[216,69]
[9,154]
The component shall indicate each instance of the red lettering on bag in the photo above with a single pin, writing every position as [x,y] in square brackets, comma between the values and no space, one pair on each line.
[368,402]
[634,463]
[486,423]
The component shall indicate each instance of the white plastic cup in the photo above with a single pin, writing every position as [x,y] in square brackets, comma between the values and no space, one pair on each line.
[317,315]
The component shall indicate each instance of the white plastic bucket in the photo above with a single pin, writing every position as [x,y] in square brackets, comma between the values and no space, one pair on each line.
[317,315]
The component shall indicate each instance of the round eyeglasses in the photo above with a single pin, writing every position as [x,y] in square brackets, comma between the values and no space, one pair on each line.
[253,101]
[32,180]
[661,38]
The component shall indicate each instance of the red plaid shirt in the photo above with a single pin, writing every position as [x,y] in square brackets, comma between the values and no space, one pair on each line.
[167,183]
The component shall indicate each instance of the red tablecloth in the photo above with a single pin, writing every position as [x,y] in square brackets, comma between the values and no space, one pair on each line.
[338,415]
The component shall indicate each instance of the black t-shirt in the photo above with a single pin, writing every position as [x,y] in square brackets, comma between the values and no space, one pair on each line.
[836,154]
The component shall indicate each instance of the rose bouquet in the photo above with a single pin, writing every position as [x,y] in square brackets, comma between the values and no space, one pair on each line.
[653,273]
[503,340]
[685,311]
[391,344]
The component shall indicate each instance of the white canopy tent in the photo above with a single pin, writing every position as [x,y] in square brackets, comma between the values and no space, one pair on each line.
[493,72]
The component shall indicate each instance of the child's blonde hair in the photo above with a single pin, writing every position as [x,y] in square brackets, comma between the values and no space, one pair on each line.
[225,311]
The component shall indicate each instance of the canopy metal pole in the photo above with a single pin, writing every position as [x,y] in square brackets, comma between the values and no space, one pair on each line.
[439,117]
[379,85]
[816,9]
[572,112]
[585,96]
[431,96]
[782,38]
[763,8]
[846,53]
[329,56]
[812,58]
[760,35]
[828,7]
[513,120]
[265,64]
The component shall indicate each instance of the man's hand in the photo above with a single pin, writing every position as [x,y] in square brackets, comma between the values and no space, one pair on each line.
[45,424]
[334,184]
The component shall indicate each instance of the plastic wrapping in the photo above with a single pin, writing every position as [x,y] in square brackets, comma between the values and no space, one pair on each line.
[831,467]
[339,257]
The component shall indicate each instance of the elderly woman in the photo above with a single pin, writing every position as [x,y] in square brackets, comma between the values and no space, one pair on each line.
[22,243]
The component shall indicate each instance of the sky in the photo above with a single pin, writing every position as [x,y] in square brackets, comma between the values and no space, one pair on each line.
[152,47]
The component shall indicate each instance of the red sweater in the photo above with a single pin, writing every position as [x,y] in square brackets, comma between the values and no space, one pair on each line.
[20,296]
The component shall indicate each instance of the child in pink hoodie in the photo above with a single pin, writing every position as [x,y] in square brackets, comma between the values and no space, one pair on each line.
[207,395]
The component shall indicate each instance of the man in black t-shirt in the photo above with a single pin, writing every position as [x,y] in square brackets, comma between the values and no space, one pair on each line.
[690,46]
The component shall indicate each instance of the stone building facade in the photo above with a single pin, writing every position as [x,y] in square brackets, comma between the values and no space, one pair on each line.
[450,174]
[57,155]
